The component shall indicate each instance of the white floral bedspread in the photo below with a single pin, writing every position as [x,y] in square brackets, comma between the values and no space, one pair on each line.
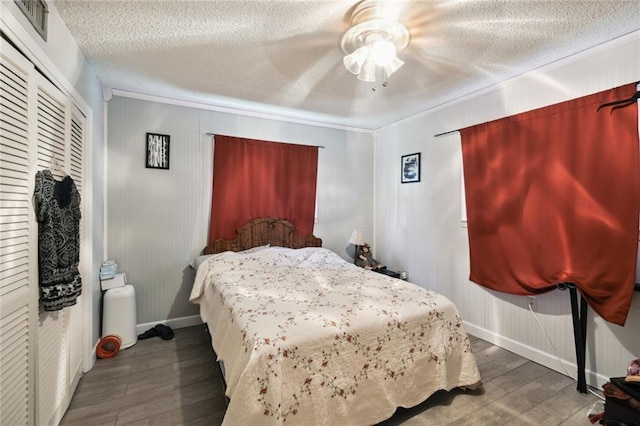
[309,339]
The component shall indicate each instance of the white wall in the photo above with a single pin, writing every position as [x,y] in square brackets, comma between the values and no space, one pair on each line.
[60,58]
[158,219]
[418,226]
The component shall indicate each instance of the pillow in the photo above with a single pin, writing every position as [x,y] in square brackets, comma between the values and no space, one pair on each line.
[255,249]
[195,263]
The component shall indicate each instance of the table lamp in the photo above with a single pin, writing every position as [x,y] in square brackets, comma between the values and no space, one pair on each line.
[358,240]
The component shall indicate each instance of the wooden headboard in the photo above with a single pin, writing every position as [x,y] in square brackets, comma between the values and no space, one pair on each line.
[262,231]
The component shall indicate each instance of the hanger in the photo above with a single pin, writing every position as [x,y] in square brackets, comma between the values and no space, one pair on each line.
[621,103]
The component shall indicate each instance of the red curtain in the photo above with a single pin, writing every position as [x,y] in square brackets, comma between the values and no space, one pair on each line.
[253,178]
[552,196]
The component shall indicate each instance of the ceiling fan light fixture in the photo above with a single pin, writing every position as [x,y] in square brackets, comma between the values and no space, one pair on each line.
[373,41]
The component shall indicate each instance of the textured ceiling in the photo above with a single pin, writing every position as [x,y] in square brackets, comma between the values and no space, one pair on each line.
[284,57]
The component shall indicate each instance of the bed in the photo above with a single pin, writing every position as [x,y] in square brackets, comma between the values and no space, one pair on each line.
[309,338]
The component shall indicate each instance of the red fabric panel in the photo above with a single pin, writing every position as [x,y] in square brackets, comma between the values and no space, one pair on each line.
[553,196]
[255,179]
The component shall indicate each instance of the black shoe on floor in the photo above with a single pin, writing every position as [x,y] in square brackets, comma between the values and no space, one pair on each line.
[152,332]
[164,331]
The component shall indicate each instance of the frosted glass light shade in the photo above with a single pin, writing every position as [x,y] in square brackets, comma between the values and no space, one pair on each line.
[393,66]
[383,52]
[357,237]
[355,60]
[368,72]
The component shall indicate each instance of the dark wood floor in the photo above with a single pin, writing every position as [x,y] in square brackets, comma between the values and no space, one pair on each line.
[174,382]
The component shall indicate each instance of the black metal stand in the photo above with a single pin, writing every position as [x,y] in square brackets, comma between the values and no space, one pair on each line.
[579,315]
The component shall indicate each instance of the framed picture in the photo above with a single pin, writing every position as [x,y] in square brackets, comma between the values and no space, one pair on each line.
[410,168]
[157,151]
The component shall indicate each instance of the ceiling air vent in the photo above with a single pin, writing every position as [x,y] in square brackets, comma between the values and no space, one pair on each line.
[36,11]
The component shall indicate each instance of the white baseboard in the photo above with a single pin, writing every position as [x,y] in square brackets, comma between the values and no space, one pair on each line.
[89,363]
[172,322]
[543,358]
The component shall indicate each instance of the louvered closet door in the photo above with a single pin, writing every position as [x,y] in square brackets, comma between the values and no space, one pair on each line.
[75,313]
[53,337]
[18,274]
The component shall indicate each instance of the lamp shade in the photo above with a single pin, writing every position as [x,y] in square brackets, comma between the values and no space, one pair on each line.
[383,52]
[368,72]
[354,61]
[357,237]
[393,66]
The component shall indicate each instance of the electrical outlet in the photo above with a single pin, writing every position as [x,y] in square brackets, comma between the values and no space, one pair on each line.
[531,303]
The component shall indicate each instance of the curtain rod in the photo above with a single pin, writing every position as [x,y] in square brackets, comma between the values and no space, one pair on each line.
[454,131]
[316,146]
[437,135]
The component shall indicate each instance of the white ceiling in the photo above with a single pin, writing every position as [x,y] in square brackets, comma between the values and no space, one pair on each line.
[284,57]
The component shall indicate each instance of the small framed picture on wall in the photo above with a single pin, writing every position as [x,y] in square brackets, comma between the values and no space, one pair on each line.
[410,168]
[157,151]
